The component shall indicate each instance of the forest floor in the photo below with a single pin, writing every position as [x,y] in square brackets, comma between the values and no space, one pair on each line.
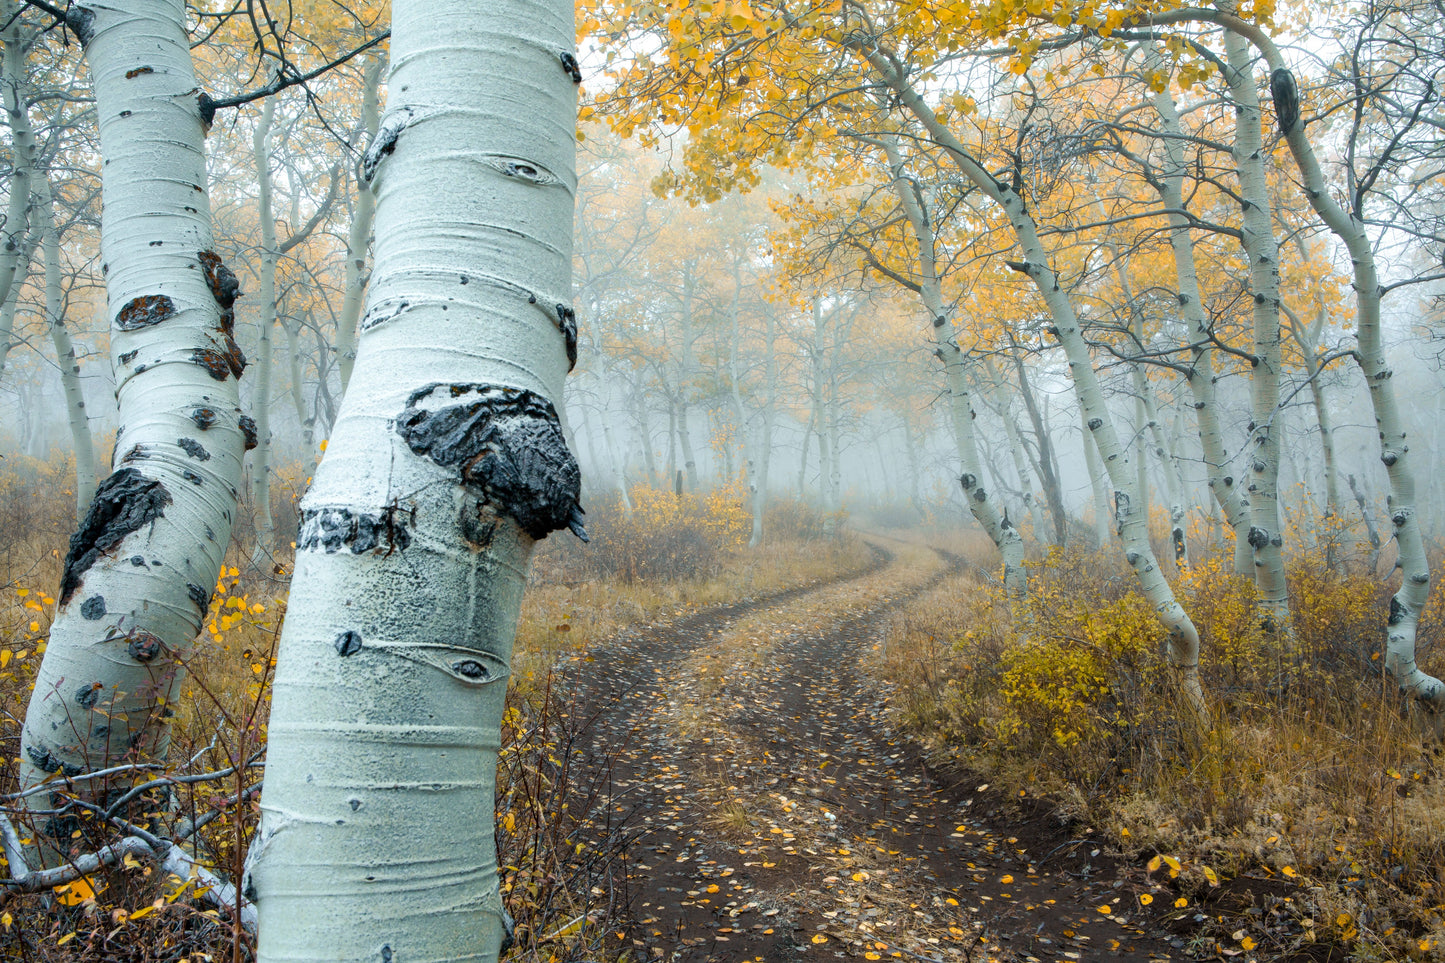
[773,814]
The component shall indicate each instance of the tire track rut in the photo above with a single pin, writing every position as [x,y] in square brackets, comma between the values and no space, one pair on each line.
[776,816]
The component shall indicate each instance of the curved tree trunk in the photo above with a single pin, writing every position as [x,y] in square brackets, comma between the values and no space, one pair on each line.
[446,463]
[929,287]
[1130,524]
[140,571]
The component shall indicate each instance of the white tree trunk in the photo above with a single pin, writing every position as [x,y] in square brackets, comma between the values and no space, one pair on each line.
[140,571]
[79,421]
[261,405]
[984,508]
[15,244]
[1130,524]
[362,217]
[1222,484]
[1266,536]
[1405,606]
[445,464]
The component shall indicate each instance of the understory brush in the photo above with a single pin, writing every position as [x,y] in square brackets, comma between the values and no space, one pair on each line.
[669,555]
[1315,783]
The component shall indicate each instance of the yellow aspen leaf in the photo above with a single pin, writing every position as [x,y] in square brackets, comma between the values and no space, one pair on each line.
[5,920]
[1209,874]
[870,955]
[1180,903]
[1289,871]
[1248,943]
[1106,910]
[819,938]
[1155,863]
[1145,899]
[65,939]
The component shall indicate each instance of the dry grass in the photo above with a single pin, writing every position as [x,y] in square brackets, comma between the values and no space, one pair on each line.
[136,914]
[1313,772]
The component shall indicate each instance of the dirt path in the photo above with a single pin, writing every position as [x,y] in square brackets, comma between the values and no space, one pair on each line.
[777,817]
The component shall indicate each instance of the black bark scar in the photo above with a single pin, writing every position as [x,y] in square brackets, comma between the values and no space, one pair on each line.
[505,443]
[125,502]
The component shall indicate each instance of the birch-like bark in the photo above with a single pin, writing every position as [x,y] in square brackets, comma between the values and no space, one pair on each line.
[445,464]
[15,34]
[929,287]
[362,217]
[1099,485]
[1222,484]
[1129,523]
[261,456]
[76,417]
[1047,464]
[1266,537]
[1000,405]
[139,574]
[1408,601]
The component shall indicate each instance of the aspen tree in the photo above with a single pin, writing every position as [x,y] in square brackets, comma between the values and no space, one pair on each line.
[446,463]
[139,574]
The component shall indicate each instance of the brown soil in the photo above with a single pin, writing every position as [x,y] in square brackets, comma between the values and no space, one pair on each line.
[772,813]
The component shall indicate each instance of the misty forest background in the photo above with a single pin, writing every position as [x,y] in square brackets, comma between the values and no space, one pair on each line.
[786,284]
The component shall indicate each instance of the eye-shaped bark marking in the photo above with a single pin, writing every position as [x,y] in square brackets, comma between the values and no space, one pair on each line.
[347,643]
[1286,98]
[133,74]
[124,503]
[144,311]
[506,443]
[215,363]
[93,608]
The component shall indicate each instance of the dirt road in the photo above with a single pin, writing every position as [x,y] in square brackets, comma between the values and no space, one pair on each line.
[776,816]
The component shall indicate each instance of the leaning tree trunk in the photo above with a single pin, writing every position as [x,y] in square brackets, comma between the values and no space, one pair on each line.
[139,574]
[1200,376]
[929,287]
[446,463]
[1266,536]
[1129,523]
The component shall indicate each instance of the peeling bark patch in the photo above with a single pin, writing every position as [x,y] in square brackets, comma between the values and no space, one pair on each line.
[93,608]
[144,646]
[506,443]
[128,357]
[192,477]
[247,424]
[124,503]
[133,74]
[144,311]
[203,417]
[198,595]
[347,643]
[137,453]
[1258,538]
[334,529]
[194,449]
